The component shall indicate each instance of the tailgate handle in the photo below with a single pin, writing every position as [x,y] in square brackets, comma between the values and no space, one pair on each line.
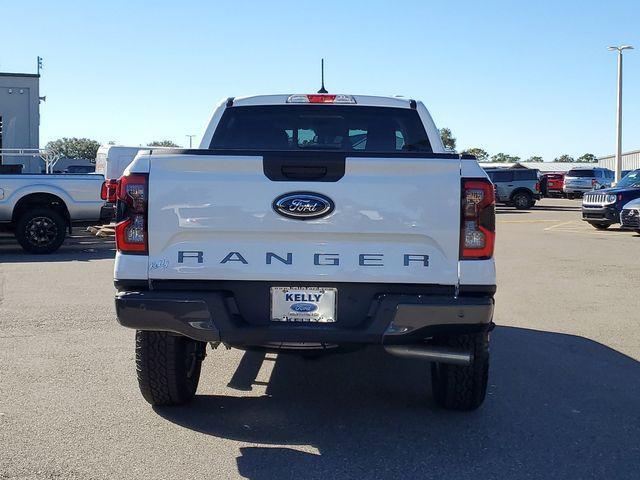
[303,172]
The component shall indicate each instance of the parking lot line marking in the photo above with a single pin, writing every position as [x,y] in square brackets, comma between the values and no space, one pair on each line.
[553,227]
[526,221]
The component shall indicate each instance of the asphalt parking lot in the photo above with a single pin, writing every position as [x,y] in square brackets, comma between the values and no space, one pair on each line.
[563,401]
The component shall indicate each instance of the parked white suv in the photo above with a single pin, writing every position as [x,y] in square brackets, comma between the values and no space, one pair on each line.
[580,180]
[308,222]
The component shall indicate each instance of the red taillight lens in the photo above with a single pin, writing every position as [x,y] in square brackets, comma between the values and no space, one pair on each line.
[112,191]
[537,186]
[321,98]
[131,230]
[594,182]
[103,191]
[478,219]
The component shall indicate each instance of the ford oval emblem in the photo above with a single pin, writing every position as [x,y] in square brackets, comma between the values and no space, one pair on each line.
[303,205]
[304,307]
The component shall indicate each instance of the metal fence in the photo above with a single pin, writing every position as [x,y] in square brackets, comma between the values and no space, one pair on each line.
[10,156]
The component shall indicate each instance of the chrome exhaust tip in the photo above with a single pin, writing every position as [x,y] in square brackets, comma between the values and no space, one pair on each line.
[433,353]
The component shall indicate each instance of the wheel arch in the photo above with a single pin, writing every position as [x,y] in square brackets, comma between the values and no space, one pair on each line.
[40,199]
[520,190]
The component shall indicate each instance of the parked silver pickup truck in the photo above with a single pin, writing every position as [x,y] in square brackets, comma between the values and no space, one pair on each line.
[40,208]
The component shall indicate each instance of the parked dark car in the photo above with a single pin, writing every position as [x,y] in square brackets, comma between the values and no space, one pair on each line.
[602,208]
[516,187]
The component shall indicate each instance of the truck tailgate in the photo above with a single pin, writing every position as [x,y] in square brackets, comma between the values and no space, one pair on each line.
[396,220]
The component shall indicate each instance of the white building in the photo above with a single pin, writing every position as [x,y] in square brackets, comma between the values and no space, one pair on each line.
[630,161]
[19,114]
[544,167]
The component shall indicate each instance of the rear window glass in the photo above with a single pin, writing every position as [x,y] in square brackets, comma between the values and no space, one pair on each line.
[581,173]
[321,127]
[500,176]
[525,174]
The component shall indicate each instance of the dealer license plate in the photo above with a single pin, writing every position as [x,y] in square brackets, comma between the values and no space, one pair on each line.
[303,304]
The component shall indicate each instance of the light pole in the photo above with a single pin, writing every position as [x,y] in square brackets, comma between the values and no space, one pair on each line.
[190,137]
[619,111]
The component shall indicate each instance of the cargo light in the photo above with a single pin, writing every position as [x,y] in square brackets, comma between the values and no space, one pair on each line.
[320,98]
[131,208]
[478,219]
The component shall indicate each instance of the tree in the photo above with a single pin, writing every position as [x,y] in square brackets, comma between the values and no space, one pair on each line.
[448,140]
[535,158]
[503,157]
[587,158]
[479,153]
[564,159]
[162,143]
[75,148]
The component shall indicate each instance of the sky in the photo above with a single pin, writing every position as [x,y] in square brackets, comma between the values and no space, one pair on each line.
[519,77]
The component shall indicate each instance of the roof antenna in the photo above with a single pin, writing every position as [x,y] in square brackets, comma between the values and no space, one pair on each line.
[322,89]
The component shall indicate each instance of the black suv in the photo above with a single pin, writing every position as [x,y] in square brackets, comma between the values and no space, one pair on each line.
[601,208]
[517,187]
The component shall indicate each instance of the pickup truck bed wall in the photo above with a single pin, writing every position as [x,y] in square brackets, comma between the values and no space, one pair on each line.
[80,193]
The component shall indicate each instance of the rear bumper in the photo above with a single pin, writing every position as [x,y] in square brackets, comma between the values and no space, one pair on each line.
[107,213]
[605,214]
[577,188]
[214,316]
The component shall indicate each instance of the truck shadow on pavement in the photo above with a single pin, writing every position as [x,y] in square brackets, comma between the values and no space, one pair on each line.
[81,246]
[558,406]
[558,208]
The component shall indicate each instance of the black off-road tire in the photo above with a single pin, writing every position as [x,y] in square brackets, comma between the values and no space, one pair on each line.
[462,387]
[522,201]
[41,230]
[600,226]
[168,367]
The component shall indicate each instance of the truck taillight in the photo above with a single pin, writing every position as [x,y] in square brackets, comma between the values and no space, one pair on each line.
[131,229]
[537,187]
[594,182]
[109,191]
[478,219]
[112,191]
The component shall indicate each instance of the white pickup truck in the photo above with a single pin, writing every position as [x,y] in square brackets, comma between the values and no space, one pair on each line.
[40,208]
[308,224]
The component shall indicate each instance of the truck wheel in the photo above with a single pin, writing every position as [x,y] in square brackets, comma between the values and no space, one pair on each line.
[600,226]
[168,367]
[522,201]
[41,230]
[462,388]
